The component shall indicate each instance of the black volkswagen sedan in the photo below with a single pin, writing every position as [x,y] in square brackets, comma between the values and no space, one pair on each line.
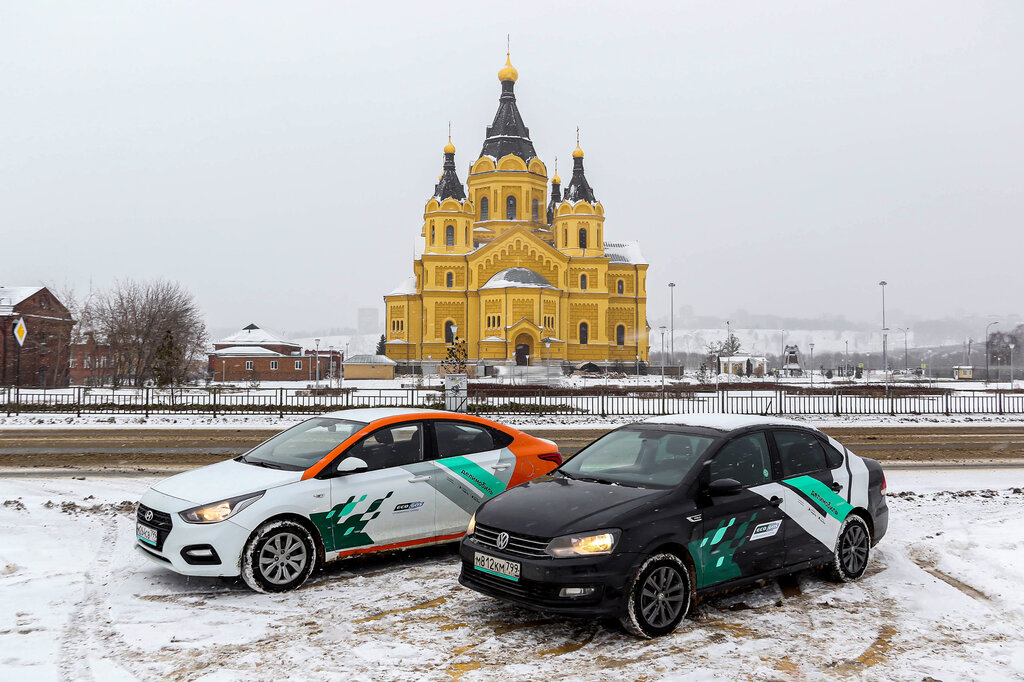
[654,514]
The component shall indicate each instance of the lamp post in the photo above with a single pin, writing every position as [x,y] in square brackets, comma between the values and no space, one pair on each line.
[1011,364]
[330,372]
[846,360]
[662,358]
[223,371]
[547,369]
[316,374]
[782,351]
[812,363]
[987,327]
[672,319]
[885,340]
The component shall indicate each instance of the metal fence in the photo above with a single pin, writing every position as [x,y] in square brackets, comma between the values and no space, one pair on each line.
[283,402]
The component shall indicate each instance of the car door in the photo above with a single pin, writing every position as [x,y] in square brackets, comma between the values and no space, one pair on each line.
[389,503]
[814,501]
[743,532]
[473,465]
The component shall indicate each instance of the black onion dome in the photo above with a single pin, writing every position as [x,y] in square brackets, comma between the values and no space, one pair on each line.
[508,134]
[579,188]
[556,197]
[449,186]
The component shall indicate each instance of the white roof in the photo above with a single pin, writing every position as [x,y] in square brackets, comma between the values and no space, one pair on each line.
[12,296]
[625,252]
[722,422]
[255,336]
[248,351]
[369,360]
[493,338]
[517,277]
[406,288]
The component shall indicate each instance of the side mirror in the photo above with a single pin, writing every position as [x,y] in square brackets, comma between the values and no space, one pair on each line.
[351,464]
[724,486]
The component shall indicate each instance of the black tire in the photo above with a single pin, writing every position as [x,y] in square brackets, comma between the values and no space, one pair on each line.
[280,556]
[852,553]
[659,597]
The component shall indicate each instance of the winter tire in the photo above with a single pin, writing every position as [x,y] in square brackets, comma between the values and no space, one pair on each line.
[659,597]
[280,556]
[853,549]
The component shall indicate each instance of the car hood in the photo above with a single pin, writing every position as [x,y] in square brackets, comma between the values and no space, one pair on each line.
[549,506]
[223,480]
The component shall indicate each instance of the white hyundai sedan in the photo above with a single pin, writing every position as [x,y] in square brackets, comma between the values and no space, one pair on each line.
[333,486]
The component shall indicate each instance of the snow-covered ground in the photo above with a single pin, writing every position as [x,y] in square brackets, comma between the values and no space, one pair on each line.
[942,599]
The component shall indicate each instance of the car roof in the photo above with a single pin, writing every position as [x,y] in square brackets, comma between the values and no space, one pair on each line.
[723,422]
[372,414]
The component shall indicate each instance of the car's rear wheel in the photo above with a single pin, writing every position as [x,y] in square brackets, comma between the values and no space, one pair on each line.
[853,549]
[659,598]
[280,556]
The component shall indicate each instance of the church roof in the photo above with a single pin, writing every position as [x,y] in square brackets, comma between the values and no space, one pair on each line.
[517,277]
[579,189]
[449,186]
[255,336]
[406,288]
[508,134]
[625,252]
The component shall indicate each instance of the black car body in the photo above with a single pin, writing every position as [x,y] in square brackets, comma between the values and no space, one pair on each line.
[729,499]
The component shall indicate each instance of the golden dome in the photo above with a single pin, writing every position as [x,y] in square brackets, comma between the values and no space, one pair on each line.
[449,148]
[556,180]
[508,73]
[577,153]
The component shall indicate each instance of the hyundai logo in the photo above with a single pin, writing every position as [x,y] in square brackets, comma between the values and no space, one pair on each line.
[502,541]
[149,516]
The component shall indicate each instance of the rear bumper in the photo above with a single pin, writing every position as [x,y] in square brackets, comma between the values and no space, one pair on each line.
[880,518]
[541,580]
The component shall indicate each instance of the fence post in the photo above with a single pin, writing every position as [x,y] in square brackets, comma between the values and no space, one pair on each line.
[17,400]
[78,401]
[945,397]
[280,402]
[145,398]
[1000,402]
[836,396]
[604,411]
[782,404]
[214,403]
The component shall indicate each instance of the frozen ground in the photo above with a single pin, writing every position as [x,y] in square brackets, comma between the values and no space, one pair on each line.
[943,598]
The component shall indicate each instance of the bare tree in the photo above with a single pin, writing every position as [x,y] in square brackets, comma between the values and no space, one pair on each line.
[138,318]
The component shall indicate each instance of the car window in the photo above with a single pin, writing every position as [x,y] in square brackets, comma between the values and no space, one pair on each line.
[642,457]
[303,445]
[800,453]
[390,447]
[455,439]
[832,456]
[744,459]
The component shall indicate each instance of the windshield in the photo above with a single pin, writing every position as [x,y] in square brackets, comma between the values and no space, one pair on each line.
[302,446]
[639,457]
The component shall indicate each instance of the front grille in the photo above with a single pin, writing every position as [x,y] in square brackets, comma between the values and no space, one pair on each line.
[160,520]
[524,589]
[520,545]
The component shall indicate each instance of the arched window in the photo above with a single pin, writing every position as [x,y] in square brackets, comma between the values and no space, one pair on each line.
[510,208]
[621,287]
[583,237]
[583,281]
[484,213]
[465,233]
[431,235]
[565,236]
[535,213]
[620,335]
[449,235]
[449,333]
[583,333]
[449,279]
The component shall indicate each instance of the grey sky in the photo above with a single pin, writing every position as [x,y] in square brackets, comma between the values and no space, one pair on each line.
[275,157]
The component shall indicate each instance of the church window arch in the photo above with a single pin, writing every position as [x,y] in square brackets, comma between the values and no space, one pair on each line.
[535,212]
[620,335]
[584,333]
[510,208]
[620,287]
[431,234]
[583,281]
[449,333]
[484,209]
[465,232]
[583,237]
[449,280]
[449,235]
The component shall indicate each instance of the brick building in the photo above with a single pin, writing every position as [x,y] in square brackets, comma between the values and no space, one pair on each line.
[260,354]
[42,362]
[91,362]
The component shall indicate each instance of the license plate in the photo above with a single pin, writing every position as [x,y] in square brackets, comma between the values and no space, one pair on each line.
[146,534]
[495,566]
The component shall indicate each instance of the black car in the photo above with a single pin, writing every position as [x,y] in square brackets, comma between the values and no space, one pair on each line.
[654,514]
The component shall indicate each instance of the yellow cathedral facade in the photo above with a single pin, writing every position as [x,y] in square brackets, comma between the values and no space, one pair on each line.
[519,275]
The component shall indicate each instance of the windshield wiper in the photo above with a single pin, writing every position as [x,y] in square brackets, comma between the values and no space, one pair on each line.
[263,463]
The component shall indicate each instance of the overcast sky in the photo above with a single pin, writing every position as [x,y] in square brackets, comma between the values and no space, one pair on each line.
[276,157]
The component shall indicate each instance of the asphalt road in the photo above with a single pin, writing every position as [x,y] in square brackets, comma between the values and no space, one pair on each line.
[148,451]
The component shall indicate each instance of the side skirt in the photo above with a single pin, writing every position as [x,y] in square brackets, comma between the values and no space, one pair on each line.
[750,580]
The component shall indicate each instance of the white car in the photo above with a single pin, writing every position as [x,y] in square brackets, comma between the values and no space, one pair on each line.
[333,486]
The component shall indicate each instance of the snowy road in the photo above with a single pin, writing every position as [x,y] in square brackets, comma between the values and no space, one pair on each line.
[943,598]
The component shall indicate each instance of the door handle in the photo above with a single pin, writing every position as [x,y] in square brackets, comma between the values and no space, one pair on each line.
[836,487]
[419,479]
[500,467]
[775,501]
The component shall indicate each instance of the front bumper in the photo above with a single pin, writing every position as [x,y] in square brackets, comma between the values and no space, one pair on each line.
[541,580]
[226,539]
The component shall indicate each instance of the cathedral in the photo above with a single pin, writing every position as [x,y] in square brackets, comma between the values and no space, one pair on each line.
[519,275]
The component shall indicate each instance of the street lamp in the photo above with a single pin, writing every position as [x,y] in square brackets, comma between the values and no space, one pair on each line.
[885,340]
[672,319]
[662,358]
[846,360]
[782,351]
[812,363]
[331,371]
[317,372]
[547,369]
[986,348]
[1011,364]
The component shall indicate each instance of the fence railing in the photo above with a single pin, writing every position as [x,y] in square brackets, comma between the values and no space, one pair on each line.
[282,402]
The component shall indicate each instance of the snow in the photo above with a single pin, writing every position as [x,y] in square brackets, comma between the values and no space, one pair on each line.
[12,296]
[255,336]
[517,277]
[942,598]
[407,287]
[625,252]
[248,351]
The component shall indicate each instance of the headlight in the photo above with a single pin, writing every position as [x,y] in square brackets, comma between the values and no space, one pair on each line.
[219,511]
[583,544]
[472,525]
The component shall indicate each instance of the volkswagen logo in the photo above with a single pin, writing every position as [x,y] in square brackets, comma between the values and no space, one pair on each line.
[148,515]
[502,541]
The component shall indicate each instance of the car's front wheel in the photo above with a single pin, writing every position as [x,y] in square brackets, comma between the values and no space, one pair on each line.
[280,556]
[659,597]
[853,549]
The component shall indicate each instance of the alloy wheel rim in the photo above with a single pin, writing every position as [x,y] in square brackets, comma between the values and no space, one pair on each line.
[662,597]
[283,558]
[854,552]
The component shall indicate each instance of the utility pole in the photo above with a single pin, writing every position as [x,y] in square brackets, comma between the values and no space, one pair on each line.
[885,340]
[672,320]
[987,327]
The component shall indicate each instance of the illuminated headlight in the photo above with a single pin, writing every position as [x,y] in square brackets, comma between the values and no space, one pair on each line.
[472,525]
[583,544]
[219,511]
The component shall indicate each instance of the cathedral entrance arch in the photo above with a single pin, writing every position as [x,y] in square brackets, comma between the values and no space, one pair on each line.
[524,346]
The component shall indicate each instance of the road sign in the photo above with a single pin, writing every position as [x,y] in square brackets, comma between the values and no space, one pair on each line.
[20,331]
